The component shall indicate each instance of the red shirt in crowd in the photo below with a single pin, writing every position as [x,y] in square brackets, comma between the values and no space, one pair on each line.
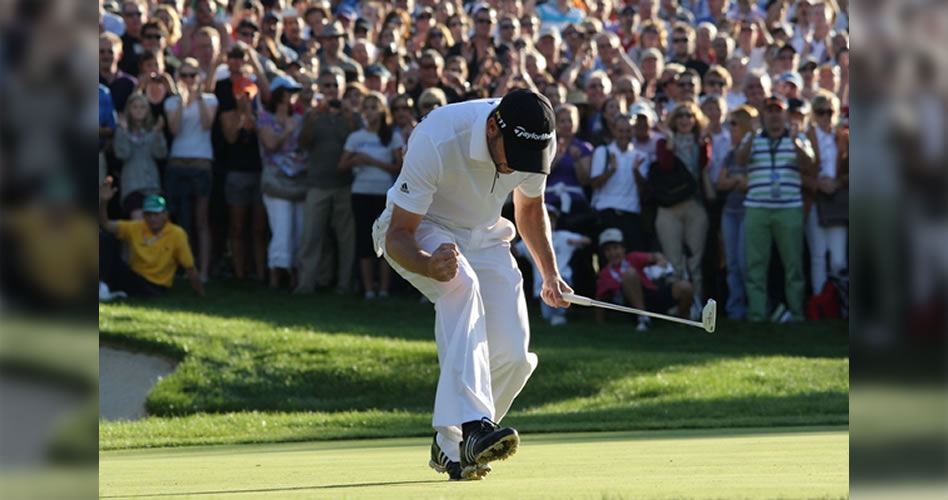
[610,277]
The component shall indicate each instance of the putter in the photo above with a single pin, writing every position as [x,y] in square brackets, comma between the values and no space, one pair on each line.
[709,314]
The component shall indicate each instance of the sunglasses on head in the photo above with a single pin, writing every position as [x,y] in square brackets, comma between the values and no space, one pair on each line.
[823,112]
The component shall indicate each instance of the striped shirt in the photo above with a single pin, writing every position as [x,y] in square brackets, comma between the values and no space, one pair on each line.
[773,173]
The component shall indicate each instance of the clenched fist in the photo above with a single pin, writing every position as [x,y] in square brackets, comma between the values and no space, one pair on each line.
[443,265]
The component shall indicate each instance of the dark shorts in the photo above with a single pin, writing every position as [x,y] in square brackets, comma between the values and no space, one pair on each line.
[659,300]
[243,188]
[366,208]
[183,182]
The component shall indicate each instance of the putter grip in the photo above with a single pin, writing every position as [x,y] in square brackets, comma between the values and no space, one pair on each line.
[577,299]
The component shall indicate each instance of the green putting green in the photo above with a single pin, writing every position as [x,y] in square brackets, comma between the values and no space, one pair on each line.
[806,462]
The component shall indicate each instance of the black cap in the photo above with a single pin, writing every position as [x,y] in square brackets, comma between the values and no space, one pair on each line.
[527,121]
[248,23]
[801,106]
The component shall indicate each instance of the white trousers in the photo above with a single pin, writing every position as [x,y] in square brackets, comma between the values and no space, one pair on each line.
[286,225]
[821,240]
[481,325]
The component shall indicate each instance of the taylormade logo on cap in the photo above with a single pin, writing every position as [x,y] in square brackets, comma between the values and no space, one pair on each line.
[522,133]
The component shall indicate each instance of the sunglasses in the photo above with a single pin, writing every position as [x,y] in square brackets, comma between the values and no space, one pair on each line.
[715,83]
[686,84]
[679,40]
[401,108]
[187,75]
[246,34]
[823,112]
[733,123]
[684,115]
[331,85]
[134,13]
[436,34]
[785,58]
[152,36]
[428,66]
[454,24]
[506,26]
[484,21]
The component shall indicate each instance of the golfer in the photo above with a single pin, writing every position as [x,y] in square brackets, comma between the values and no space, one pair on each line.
[442,231]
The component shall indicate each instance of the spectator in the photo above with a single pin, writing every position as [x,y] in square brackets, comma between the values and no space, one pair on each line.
[529,26]
[549,46]
[565,244]
[814,38]
[245,10]
[685,223]
[556,93]
[717,11]
[787,60]
[613,59]
[689,84]
[139,141]
[616,171]
[271,44]
[429,100]
[757,89]
[733,180]
[773,208]
[750,47]
[672,10]
[570,171]
[718,81]
[798,114]
[363,52]
[331,39]
[481,44]
[237,95]
[293,35]
[354,94]
[107,124]
[188,176]
[133,12]
[329,197]
[558,14]
[628,87]
[110,22]
[612,107]
[403,114]
[747,9]
[704,39]
[374,154]
[432,64]
[789,85]
[723,47]
[683,48]
[625,280]
[120,84]
[715,109]
[508,29]
[653,65]
[598,88]
[829,78]
[644,137]
[169,18]
[204,17]
[155,41]
[832,174]
[458,26]
[206,48]
[282,183]
[156,248]
[377,78]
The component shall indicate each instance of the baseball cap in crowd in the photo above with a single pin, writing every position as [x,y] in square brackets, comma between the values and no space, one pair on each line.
[244,85]
[628,10]
[154,204]
[236,51]
[331,30]
[271,15]
[248,23]
[792,77]
[611,235]
[377,70]
[284,82]
[775,101]
[640,108]
[550,31]
[347,12]
[801,106]
[423,11]
[361,26]
[809,61]
[527,121]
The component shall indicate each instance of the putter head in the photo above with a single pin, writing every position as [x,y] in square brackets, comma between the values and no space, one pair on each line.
[709,316]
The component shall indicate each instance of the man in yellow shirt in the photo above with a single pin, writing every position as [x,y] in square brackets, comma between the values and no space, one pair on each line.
[156,249]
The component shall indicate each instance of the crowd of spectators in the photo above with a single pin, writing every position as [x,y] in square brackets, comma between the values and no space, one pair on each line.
[705,137]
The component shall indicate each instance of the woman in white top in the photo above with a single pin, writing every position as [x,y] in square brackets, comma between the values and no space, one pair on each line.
[374,153]
[188,176]
[833,174]
[617,170]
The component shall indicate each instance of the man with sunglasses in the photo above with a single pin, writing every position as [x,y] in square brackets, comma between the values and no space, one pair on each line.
[481,44]
[120,83]
[155,39]
[683,48]
[133,13]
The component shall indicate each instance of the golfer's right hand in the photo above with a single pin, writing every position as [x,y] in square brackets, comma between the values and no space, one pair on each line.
[443,265]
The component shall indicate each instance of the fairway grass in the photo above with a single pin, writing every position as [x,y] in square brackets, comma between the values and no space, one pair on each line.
[808,462]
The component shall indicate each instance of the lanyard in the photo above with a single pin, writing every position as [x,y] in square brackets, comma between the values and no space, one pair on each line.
[774,146]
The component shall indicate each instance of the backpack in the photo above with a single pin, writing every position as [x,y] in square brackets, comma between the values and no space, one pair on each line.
[824,305]
[671,187]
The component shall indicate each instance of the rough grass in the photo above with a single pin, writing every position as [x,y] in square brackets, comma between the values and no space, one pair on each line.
[328,367]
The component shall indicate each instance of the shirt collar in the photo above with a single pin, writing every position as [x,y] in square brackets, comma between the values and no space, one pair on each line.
[479,151]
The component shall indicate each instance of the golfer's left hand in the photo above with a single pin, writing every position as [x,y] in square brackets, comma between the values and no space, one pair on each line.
[553,290]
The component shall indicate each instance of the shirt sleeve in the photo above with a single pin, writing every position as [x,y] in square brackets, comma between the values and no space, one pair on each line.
[225,96]
[421,171]
[638,260]
[605,284]
[182,251]
[172,103]
[125,229]
[350,143]
[533,185]
[598,162]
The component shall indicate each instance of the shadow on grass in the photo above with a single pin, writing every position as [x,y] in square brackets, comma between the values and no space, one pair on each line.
[272,490]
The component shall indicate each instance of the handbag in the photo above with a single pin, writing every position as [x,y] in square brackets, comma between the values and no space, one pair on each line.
[274,182]
[833,209]
[671,187]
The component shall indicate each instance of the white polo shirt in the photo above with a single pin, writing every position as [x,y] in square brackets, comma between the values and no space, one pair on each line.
[448,175]
[620,192]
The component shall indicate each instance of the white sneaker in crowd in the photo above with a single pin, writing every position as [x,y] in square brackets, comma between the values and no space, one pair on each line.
[369,294]
[558,320]
[643,325]
[106,295]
